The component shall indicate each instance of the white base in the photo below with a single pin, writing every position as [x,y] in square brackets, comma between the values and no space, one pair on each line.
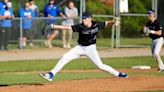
[141,67]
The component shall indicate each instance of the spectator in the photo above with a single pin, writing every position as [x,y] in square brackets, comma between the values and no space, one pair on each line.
[27,14]
[51,10]
[70,12]
[35,21]
[34,7]
[3,4]
[6,15]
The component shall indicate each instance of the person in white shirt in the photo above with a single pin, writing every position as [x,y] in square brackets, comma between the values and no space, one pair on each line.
[34,7]
[70,12]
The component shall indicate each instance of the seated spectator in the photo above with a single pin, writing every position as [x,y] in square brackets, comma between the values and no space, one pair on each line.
[51,11]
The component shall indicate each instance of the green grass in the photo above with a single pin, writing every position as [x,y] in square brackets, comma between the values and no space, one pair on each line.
[33,78]
[101,43]
[20,72]
[135,41]
[38,65]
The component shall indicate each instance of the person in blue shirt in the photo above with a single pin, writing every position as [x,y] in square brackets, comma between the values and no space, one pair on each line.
[26,14]
[51,10]
[3,4]
[6,15]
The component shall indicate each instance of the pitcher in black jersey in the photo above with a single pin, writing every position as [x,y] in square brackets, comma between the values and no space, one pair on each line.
[87,30]
[154,31]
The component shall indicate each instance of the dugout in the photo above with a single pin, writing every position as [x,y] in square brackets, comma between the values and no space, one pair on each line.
[161,12]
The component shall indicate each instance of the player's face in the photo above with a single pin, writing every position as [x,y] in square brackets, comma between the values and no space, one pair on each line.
[87,21]
[151,17]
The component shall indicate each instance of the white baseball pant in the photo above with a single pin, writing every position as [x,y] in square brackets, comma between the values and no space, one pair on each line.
[90,52]
[156,48]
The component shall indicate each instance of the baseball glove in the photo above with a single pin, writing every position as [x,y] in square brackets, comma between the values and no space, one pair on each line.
[144,31]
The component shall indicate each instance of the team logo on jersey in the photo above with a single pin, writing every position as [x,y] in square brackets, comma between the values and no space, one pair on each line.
[92,31]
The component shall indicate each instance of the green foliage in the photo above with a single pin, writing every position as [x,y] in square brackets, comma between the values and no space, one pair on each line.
[130,25]
[137,6]
[98,8]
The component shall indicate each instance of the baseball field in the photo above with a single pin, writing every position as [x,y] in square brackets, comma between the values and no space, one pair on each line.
[81,75]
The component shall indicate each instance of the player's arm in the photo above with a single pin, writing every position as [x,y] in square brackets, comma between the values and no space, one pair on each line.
[61,27]
[158,32]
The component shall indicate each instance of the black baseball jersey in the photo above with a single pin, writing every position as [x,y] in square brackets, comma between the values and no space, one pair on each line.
[87,35]
[154,26]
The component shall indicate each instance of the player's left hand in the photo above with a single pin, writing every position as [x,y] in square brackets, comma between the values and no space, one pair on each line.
[145,31]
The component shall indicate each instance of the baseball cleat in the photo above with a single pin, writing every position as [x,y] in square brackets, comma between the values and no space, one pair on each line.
[123,75]
[48,76]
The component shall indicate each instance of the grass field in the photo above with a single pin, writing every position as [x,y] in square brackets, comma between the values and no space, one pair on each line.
[101,43]
[26,72]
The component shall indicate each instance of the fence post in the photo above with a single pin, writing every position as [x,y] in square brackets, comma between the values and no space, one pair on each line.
[81,10]
[117,18]
[21,34]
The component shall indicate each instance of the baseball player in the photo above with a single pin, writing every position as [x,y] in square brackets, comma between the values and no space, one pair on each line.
[87,30]
[154,31]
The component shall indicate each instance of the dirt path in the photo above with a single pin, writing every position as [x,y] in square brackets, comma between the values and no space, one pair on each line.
[54,53]
[111,84]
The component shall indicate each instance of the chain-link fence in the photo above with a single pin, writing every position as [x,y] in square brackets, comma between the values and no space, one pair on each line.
[37,28]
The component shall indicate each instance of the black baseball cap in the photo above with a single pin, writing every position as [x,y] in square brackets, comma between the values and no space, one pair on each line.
[151,11]
[86,14]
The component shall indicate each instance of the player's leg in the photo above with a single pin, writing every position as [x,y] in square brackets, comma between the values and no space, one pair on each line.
[156,48]
[74,53]
[92,53]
